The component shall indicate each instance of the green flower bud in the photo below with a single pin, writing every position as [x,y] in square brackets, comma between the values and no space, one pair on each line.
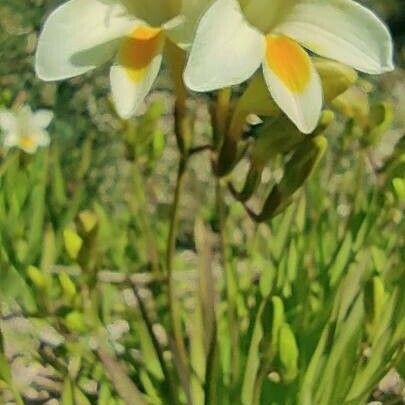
[288,353]
[88,220]
[399,188]
[297,170]
[354,104]
[380,120]
[38,278]
[75,322]
[278,136]
[336,78]
[68,287]
[73,243]
[302,164]
[281,136]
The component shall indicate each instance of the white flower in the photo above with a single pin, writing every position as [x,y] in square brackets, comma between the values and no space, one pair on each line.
[234,38]
[25,129]
[83,34]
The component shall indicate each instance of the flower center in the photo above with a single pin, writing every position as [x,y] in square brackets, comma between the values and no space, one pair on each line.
[139,49]
[27,142]
[289,62]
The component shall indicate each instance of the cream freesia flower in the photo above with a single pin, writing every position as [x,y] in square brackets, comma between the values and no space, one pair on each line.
[234,38]
[25,129]
[83,34]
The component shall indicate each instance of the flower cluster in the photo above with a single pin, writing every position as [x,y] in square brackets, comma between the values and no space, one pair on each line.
[226,42]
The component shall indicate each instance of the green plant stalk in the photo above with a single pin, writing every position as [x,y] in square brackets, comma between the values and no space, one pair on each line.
[222,112]
[182,127]
[211,371]
[229,285]
[220,118]
[174,311]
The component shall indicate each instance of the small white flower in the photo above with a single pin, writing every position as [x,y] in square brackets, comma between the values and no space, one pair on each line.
[24,129]
[235,38]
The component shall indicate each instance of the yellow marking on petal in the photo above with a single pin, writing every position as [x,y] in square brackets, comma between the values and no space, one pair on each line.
[289,61]
[27,142]
[138,51]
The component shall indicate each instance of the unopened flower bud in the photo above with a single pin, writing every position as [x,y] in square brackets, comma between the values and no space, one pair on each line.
[336,77]
[278,136]
[288,353]
[302,164]
[73,243]
[380,120]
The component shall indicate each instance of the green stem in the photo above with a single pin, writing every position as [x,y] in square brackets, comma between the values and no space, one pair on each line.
[222,111]
[230,285]
[180,352]
[211,371]
[226,154]
[176,58]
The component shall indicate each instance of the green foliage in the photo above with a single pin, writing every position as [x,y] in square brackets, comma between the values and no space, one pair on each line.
[304,308]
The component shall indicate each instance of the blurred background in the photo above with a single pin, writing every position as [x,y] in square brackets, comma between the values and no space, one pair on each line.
[93,206]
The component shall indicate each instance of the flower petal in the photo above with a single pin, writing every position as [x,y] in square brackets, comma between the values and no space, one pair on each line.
[8,122]
[43,138]
[138,64]
[79,36]
[342,30]
[293,81]
[191,11]
[226,49]
[11,139]
[42,118]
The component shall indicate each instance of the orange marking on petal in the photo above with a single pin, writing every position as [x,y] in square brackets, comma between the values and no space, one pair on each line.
[138,50]
[288,60]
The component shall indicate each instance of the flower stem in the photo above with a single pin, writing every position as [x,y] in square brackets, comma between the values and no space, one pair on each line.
[221,123]
[176,58]
[230,285]
[180,353]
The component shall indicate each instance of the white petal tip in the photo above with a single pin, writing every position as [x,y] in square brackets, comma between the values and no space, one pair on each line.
[45,75]
[191,84]
[307,128]
[123,114]
[388,68]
